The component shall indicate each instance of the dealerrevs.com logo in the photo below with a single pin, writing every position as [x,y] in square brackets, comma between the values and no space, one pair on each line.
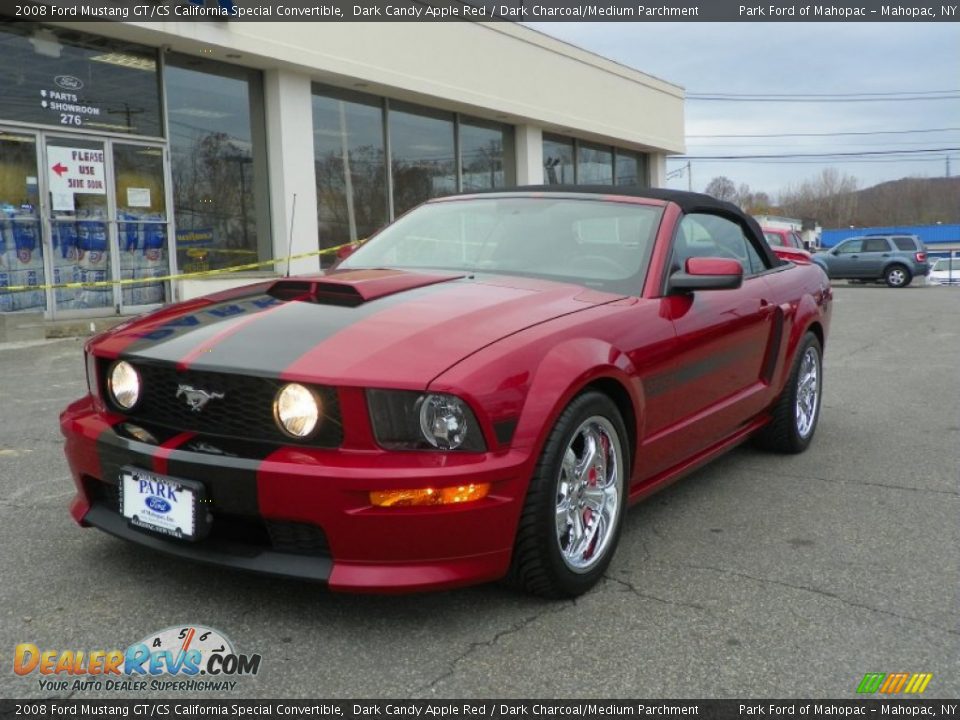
[185,658]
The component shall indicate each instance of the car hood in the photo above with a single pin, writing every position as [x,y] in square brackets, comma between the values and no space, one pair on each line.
[388,328]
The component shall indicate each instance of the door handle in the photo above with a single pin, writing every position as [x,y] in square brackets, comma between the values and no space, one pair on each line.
[854,257]
[885,255]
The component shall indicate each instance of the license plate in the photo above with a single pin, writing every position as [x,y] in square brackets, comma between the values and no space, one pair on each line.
[161,504]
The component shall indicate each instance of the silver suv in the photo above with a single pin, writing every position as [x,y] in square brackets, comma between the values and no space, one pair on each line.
[897,259]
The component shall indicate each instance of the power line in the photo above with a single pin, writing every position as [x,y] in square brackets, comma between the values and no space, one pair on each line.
[815,155]
[828,134]
[840,161]
[767,98]
[824,95]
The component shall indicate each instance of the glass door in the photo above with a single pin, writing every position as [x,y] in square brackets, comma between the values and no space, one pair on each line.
[107,218]
[21,249]
[142,223]
[79,213]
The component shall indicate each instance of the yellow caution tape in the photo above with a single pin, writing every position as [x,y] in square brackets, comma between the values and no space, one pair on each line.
[180,276]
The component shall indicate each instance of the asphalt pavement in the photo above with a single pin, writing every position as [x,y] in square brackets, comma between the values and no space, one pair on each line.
[757,576]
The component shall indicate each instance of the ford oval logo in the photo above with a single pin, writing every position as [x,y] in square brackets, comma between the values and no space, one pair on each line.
[68,82]
[158,505]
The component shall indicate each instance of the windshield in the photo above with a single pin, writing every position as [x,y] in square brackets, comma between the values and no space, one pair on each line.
[602,244]
[947,265]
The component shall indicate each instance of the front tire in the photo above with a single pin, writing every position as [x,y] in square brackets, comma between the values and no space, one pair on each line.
[573,512]
[797,411]
[897,276]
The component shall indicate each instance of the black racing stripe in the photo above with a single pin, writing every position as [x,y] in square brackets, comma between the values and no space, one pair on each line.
[229,478]
[173,339]
[664,382]
[268,347]
[231,483]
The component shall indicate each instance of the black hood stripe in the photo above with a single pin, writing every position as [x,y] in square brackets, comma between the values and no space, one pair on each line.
[172,340]
[267,348]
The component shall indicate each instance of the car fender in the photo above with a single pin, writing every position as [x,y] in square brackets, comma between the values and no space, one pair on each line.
[898,261]
[565,371]
[808,311]
[533,398]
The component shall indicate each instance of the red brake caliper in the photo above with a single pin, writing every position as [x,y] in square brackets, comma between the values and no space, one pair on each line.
[592,482]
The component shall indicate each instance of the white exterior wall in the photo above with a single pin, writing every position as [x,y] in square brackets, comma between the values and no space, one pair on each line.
[290,160]
[499,71]
[529,152]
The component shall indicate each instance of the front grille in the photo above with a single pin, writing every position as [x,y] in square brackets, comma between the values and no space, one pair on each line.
[245,411]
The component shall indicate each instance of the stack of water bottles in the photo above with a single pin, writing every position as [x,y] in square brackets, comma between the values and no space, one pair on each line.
[143,240]
[21,258]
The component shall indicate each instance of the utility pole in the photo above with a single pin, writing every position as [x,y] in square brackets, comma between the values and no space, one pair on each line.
[948,165]
[690,176]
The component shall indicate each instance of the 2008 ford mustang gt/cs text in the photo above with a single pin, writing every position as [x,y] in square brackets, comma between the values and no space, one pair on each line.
[476,393]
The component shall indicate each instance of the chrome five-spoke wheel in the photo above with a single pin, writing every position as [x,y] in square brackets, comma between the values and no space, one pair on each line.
[589,493]
[573,511]
[808,392]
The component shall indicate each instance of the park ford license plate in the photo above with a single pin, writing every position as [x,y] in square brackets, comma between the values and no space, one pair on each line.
[160,504]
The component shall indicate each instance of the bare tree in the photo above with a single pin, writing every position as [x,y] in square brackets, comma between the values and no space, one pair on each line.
[830,199]
[722,188]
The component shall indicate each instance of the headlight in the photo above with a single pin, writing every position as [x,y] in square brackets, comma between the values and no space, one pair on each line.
[124,383]
[443,421]
[297,410]
[404,420]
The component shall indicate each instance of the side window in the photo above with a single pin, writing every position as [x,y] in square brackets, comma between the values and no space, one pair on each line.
[797,241]
[905,243]
[702,235]
[850,247]
[772,237]
[875,245]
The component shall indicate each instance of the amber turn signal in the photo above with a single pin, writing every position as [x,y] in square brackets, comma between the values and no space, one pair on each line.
[429,496]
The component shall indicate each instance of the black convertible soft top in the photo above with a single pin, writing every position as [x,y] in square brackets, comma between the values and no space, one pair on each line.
[689,202]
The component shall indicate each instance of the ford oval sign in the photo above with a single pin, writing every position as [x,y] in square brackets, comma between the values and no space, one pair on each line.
[68,82]
[158,505]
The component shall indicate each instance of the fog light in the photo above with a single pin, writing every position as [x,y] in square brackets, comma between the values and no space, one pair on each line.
[297,410]
[124,384]
[430,496]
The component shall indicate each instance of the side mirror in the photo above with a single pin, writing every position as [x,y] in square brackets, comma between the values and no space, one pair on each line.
[708,274]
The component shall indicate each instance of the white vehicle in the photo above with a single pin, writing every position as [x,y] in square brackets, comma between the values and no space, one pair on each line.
[945,271]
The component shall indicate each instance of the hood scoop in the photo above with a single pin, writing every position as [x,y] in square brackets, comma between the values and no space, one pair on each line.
[350,288]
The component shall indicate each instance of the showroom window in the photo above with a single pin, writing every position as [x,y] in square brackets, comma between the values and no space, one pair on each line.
[568,161]
[594,164]
[218,163]
[486,154]
[422,157]
[631,168]
[558,168]
[53,76]
[376,158]
[351,166]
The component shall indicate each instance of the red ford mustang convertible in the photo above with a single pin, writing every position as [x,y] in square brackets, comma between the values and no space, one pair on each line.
[478,392]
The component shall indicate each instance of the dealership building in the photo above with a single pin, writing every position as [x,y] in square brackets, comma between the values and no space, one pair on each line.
[132,151]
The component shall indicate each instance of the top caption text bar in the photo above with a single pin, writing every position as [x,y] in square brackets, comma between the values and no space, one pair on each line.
[477,10]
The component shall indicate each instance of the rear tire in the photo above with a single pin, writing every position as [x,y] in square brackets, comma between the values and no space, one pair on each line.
[797,411]
[897,276]
[573,512]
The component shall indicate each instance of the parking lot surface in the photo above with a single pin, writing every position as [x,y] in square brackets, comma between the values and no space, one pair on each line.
[757,576]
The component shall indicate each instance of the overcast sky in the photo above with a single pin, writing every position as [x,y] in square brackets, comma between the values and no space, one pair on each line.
[795,58]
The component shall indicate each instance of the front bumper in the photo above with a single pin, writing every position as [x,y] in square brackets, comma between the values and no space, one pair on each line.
[305,513]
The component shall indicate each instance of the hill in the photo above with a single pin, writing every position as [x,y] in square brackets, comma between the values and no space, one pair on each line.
[908,201]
